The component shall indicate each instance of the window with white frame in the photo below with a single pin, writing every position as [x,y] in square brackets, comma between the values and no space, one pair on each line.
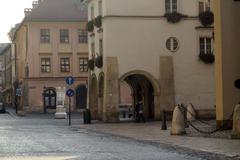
[45,65]
[64,35]
[93,49]
[204,5]
[205,45]
[100,7]
[65,64]
[92,12]
[171,6]
[83,64]
[44,35]
[172,44]
[82,36]
[101,47]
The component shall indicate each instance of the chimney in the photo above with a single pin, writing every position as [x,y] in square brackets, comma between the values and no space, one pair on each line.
[34,4]
[27,11]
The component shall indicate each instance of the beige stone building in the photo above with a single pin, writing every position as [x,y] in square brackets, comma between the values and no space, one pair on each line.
[51,44]
[154,46]
[227,58]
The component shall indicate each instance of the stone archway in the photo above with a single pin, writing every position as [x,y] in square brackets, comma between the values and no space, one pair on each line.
[145,88]
[93,97]
[100,95]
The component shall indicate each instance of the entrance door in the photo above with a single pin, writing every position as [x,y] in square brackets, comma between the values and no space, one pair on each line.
[50,98]
[81,97]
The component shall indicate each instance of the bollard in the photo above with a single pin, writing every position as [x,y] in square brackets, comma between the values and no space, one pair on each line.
[87,117]
[191,114]
[164,120]
[178,126]
[236,123]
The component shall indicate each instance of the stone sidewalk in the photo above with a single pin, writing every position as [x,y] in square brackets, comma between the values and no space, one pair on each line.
[151,132]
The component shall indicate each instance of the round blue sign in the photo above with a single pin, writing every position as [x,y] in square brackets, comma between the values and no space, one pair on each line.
[70,80]
[70,93]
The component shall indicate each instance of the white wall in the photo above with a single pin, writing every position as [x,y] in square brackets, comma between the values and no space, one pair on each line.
[138,42]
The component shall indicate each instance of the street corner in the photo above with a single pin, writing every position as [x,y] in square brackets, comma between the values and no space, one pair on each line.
[39,158]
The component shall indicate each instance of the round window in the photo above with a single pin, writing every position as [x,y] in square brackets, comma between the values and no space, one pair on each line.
[172,44]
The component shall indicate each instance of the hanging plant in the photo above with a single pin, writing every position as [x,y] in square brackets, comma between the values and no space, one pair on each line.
[90,26]
[206,18]
[174,17]
[98,21]
[99,61]
[207,58]
[91,64]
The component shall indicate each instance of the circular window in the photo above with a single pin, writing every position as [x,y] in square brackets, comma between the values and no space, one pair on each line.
[172,44]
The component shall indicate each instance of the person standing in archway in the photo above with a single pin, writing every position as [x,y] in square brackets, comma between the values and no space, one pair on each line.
[139,112]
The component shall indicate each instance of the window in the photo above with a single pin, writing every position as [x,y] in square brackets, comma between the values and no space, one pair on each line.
[101,47]
[45,65]
[171,6]
[64,36]
[100,7]
[204,6]
[44,35]
[83,64]
[92,12]
[205,45]
[82,36]
[93,49]
[172,44]
[65,64]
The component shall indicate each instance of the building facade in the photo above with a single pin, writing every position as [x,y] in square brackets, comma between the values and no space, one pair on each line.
[6,64]
[51,44]
[227,58]
[157,47]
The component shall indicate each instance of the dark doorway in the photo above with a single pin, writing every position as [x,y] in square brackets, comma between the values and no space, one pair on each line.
[49,97]
[81,97]
[142,91]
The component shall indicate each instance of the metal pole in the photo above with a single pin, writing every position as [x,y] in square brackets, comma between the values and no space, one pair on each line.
[69,111]
[164,120]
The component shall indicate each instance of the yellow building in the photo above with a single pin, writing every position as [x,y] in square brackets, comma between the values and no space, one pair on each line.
[51,44]
[227,49]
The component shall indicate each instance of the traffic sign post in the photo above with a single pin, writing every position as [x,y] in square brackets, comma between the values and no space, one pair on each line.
[70,94]
[70,80]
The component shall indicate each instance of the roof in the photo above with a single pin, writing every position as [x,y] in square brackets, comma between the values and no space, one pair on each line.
[58,10]
[55,10]
[4,47]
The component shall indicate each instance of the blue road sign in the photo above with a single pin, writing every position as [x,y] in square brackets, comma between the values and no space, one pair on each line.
[70,93]
[70,80]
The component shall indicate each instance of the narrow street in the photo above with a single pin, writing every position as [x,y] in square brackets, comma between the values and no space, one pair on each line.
[42,136]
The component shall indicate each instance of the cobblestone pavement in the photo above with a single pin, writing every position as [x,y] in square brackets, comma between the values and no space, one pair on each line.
[41,137]
[218,144]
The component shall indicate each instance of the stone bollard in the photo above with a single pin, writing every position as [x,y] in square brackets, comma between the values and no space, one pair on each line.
[178,126]
[191,114]
[236,123]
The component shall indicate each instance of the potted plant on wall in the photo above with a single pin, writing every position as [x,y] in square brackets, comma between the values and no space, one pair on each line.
[98,21]
[207,58]
[99,61]
[90,26]
[206,18]
[174,17]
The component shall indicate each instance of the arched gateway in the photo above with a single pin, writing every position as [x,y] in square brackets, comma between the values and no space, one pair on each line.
[145,88]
